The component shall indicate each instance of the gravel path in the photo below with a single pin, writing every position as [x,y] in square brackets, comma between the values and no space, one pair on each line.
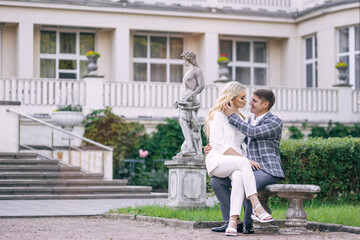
[103,228]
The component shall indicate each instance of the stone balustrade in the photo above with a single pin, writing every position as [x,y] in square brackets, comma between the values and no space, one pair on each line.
[155,100]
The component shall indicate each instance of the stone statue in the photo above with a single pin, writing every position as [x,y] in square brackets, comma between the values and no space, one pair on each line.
[188,106]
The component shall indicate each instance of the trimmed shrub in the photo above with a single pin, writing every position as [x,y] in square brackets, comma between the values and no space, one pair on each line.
[333,164]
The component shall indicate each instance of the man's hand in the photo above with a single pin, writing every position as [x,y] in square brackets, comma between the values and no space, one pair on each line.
[254,165]
[207,149]
[228,110]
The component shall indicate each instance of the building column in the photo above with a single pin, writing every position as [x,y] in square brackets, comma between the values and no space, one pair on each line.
[94,93]
[121,55]
[293,63]
[9,127]
[25,50]
[208,57]
[345,104]
[327,73]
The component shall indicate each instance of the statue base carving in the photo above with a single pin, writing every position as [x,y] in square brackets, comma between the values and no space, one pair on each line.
[187,181]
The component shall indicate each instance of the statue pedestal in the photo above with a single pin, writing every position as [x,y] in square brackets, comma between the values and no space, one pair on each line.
[187,182]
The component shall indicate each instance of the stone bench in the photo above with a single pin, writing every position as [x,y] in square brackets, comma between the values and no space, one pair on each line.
[296,195]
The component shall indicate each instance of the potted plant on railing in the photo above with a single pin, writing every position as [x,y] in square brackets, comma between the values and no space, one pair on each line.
[67,116]
[92,57]
[223,62]
[342,68]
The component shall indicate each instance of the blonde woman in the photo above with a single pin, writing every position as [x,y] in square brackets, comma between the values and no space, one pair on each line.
[227,157]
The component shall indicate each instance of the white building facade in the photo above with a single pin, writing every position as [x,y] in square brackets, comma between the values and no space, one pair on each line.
[289,46]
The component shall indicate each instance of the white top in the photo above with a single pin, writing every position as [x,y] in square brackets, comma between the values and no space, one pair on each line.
[222,137]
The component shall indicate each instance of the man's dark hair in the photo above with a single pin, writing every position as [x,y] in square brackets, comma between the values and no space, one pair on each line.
[265,96]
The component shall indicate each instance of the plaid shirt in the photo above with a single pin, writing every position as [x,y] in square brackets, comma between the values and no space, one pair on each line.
[264,142]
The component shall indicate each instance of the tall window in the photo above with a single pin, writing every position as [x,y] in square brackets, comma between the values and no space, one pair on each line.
[248,60]
[311,73]
[156,58]
[62,53]
[349,52]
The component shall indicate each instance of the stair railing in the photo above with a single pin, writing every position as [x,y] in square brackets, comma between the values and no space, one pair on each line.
[52,145]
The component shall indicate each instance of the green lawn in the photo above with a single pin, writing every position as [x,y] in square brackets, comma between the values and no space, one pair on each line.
[345,214]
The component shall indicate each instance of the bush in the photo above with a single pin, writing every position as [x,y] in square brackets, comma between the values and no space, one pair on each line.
[295,133]
[335,130]
[107,128]
[333,164]
[155,178]
[332,130]
[166,141]
[355,130]
[318,132]
[128,137]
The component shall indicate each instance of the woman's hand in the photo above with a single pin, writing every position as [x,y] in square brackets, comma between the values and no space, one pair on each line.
[254,165]
[207,149]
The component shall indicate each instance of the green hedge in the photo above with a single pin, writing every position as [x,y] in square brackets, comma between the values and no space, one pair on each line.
[333,164]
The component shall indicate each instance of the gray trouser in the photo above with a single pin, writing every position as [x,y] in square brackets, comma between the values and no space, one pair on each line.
[221,187]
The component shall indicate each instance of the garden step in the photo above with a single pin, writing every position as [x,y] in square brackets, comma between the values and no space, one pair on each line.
[74,190]
[47,175]
[30,177]
[18,155]
[40,168]
[60,182]
[84,196]
[28,161]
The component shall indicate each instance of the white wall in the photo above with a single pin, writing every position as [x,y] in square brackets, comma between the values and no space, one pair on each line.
[114,62]
[286,43]
[325,27]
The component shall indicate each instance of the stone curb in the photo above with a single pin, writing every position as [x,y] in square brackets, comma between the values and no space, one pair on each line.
[165,221]
[330,227]
[313,226]
[51,216]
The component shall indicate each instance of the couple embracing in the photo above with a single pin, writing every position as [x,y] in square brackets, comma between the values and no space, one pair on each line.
[243,155]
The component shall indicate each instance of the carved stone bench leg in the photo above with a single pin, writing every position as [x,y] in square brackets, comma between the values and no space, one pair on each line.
[295,215]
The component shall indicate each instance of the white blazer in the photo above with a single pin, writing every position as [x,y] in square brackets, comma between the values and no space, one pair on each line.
[222,137]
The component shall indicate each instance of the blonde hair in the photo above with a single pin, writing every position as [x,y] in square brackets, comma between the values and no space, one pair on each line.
[230,91]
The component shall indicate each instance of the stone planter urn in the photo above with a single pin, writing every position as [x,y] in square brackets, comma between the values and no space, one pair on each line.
[92,59]
[223,71]
[342,74]
[67,120]
[92,66]
[342,68]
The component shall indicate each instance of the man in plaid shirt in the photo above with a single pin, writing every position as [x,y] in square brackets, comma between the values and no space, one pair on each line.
[263,131]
